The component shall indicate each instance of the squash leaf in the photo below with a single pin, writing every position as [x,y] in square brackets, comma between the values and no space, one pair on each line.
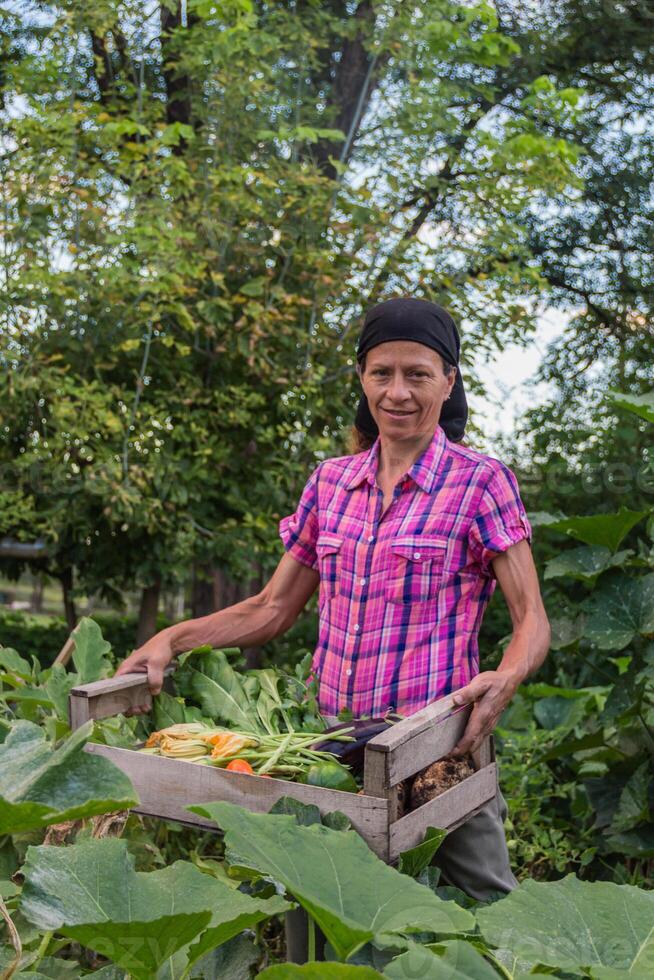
[352,895]
[42,785]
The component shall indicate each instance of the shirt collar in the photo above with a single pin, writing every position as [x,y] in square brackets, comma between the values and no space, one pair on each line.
[423,472]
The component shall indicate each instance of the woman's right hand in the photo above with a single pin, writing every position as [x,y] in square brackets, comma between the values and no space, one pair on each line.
[151,659]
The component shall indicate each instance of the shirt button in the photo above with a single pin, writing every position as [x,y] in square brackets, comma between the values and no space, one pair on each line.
[348,672]
[371,537]
[416,554]
[356,627]
[362,581]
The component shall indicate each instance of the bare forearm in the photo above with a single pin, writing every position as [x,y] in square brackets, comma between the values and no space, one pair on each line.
[527,648]
[248,623]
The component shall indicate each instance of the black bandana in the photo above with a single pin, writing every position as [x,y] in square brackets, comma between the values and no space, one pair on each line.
[425,323]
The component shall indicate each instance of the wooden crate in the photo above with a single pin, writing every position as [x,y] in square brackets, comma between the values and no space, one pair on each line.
[166,786]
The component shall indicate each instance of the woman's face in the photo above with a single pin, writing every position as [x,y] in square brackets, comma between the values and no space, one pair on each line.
[405,387]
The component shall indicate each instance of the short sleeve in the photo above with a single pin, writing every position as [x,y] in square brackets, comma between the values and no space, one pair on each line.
[500,521]
[299,531]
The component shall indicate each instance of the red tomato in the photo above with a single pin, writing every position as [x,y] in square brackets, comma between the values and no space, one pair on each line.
[240,765]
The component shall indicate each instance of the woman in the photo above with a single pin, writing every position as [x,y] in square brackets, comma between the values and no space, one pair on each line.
[406,541]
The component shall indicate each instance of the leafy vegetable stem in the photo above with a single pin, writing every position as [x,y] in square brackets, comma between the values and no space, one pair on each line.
[311,940]
[278,753]
[15,942]
[499,966]
[42,950]
[287,720]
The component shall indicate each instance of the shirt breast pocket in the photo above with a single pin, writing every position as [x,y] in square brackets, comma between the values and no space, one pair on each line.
[417,565]
[328,549]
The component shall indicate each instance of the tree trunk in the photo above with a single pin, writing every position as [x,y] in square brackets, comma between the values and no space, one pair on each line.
[67,596]
[253,655]
[174,604]
[227,592]
[202,595]
[147,624]
[36,600]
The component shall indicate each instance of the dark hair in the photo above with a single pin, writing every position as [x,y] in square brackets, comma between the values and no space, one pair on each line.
[359,441]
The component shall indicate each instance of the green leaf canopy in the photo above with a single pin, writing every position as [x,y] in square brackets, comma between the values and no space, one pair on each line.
[457,961]
[584,563]
[91,893]
[90,652]
[42,785]
[572,924]
[642,405]
[352,895]
[211,681]
[619,609]
[605,530]
[320,971]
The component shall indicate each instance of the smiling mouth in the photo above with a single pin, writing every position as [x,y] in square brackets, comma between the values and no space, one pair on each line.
[397,415]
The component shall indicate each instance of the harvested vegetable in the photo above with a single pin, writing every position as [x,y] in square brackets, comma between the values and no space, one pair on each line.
[437,778]
[182,731]
[240,765]
[288,755]
[330,775]
[265,720]
[228,744]
[352,753]
[183,748]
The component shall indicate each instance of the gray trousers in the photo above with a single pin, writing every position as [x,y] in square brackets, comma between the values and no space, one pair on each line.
[474,858]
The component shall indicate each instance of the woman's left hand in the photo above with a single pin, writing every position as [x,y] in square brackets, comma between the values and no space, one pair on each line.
[489,693]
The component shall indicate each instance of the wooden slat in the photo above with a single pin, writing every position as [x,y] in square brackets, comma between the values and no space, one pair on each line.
[446,811]
[419,746]
[414,725]
[166,786]
[375,783]
[485,754]
[66,652]
[113,696]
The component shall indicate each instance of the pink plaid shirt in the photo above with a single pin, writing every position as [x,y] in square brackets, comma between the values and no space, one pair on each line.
[402,595]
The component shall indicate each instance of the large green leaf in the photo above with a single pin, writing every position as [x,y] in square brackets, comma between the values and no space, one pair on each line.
[458,961]
[633,806]
[352,895]
[168,710]
[90,651]
[234,960]
[416,859]
[642,405]
[209,679]
[606,530]
[12,664]
[42,785]
[91,893]
[584,563]
[320,971]
[566,630]
[637,843]
[58,685]
[619,609]
[572,924]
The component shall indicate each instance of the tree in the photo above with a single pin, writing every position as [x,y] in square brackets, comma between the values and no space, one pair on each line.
[198,210]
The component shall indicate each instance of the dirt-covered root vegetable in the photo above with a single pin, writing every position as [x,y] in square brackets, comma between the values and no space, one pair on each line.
[437,778]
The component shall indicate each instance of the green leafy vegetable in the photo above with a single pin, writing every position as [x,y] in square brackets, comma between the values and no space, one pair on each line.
[330,775]
[91,893]
[570,924]
[42,785]
[352,895]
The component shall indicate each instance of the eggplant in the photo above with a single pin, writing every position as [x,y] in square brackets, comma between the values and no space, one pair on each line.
[352,753]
